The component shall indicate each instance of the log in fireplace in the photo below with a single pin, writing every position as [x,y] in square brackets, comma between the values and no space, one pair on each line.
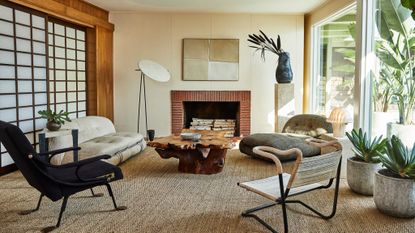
[186,105]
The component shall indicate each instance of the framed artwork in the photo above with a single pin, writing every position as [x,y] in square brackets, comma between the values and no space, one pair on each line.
[210,59]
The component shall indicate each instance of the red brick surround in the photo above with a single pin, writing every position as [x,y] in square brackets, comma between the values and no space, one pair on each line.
[243,97]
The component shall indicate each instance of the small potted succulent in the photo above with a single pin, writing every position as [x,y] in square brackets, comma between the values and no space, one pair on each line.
[394,192]
[55,120]
[362,167]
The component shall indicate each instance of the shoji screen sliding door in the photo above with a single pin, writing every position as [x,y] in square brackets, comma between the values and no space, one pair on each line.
[23,67]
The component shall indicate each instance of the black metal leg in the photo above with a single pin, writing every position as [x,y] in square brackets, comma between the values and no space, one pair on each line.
[113,199]
[25,212]
[63,207]
[96,194]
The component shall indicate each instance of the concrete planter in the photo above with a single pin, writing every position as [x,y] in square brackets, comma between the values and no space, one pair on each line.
[403,132]
[394,196]
[361,176]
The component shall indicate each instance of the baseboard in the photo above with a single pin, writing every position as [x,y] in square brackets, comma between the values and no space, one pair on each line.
[7,169]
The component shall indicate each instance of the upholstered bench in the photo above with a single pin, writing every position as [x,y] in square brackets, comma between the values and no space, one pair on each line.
[97,136]
[294,135]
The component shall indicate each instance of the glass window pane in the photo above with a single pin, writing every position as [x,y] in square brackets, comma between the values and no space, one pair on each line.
[59,29]
[51,75]
[81,76]
[80,35]
[24,73]
[81,106]
[23,45]
[70,53]
[70,65]
[60,75]
[60,52]
[81,65]
[7,101]
[60,107]
[52,98]
[60,97]
[334,81]
[38,22]
[71,107]
[26,126]
[25,86]
[24,59]
[7,86]
[26,113]
[39,60]
[40,86]
[6,13]
[80,45]
[81,86]
[81,96]
[7,72]
[70,32]
[22,17]
[6,57]
[71,75]
[60,86]
[40,123]
[39,73]
[59,41]
[72,96]
[25,99]
[70,43]
[8,115]
[82,114]
[50,39]
[23,31]
[71,86]
[6,42]
[41,98]
[50,27]
[80,55]
[39,35]
[59,63]
[6,28]
[39,48]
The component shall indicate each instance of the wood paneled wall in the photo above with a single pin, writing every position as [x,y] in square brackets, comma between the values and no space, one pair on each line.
[99,47]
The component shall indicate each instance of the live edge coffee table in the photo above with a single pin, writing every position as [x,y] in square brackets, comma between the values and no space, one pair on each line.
[206,156]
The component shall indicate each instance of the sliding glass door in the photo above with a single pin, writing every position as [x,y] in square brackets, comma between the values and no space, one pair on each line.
[333,65]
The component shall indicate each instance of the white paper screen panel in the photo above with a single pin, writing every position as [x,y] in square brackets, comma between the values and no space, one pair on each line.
[67,73]
[23,81]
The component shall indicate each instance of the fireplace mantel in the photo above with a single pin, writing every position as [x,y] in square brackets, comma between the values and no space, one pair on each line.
[243,97]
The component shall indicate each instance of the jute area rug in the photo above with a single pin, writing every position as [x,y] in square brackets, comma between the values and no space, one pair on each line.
[160,199]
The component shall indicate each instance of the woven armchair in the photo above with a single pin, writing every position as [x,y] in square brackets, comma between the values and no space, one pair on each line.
[306,175]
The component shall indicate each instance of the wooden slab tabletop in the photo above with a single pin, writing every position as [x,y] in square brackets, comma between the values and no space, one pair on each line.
[209,139]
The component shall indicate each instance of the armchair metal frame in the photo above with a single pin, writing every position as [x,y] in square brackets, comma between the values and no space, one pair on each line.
[306,176]
[49,179]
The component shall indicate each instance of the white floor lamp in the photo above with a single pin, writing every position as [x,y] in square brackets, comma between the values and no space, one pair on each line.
[154,71]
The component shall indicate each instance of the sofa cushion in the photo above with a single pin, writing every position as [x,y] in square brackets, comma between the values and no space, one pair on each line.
[112,144]
[279,141]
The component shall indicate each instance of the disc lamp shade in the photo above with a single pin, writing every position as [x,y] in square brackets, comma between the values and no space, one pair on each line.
[156,72]
[339,117]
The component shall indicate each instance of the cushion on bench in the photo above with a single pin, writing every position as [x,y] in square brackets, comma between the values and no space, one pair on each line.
[280,141]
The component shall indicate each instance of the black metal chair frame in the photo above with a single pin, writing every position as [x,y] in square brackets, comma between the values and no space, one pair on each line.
[283,201]
[285,195]
[90,182]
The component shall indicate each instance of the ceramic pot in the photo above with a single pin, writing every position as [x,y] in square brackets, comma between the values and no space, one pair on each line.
[53,126]
[361,176]
[284,73]
[394,196]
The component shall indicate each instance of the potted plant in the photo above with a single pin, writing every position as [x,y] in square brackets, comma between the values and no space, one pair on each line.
[361,168]
[263,43]
[394,192]
[396,50]
[55,120]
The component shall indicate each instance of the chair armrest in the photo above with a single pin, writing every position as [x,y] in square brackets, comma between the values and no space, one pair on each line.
[271,152]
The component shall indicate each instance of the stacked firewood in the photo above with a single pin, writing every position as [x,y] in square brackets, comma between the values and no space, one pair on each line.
[227,125]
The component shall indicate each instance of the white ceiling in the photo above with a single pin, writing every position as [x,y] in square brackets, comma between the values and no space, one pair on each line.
[219,6]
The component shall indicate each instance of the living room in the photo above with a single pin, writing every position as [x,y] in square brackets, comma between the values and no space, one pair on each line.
[181,107]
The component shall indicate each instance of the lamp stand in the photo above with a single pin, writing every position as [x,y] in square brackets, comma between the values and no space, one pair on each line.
[142,86]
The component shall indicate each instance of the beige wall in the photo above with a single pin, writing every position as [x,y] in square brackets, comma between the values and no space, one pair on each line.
[158,37]
[310,19]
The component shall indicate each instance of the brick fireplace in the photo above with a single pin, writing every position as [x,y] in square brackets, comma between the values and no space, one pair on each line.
[243,97]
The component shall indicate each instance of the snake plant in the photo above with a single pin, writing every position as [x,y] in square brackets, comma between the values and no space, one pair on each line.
[399,159]
[364,149]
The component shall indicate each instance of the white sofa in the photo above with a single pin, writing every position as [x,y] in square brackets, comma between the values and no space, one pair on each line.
[97,136]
